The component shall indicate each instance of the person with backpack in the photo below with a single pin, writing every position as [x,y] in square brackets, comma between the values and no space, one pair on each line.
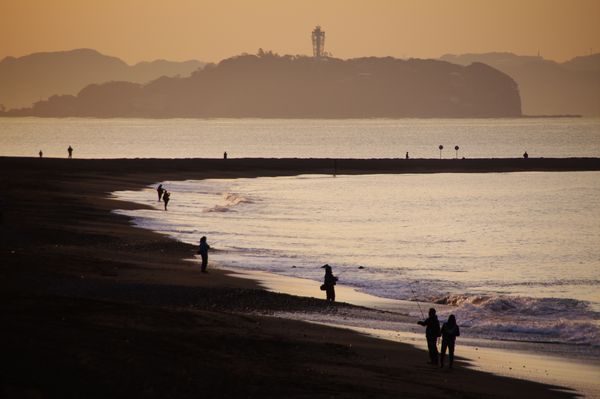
[432,332]
[450,331]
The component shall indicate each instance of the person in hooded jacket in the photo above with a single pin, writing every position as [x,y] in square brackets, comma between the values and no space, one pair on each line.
[329,283]
[450,331]
[432,332]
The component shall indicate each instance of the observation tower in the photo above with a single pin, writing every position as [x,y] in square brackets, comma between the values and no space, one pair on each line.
[318,42]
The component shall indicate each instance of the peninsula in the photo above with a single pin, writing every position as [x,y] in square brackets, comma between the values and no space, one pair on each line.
[267,85]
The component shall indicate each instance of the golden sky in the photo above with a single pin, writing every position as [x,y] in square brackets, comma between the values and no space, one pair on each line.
[210,30]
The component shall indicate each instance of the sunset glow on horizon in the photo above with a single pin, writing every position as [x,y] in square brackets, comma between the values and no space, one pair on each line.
[138,30]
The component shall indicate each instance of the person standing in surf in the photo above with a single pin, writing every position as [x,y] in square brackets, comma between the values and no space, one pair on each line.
[203,251]
[329,283]
[166,198]
[432,332]
[450,331]
[160,190]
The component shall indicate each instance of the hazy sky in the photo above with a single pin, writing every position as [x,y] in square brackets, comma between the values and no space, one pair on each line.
[207,30]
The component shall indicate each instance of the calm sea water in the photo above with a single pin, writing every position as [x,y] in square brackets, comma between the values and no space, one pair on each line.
[355,138]
[517,253]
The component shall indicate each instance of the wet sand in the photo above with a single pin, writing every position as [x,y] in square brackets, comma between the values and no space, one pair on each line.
[540,362]
[93,307]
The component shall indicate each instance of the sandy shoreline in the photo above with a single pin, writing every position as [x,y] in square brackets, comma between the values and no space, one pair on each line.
[95,307]
[546,363]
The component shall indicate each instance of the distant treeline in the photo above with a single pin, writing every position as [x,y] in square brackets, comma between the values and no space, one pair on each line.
[272,86]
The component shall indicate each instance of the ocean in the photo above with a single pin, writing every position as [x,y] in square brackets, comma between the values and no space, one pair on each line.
[515,254]
[305,138]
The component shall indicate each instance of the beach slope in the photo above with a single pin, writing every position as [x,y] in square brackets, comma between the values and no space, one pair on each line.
[93,307]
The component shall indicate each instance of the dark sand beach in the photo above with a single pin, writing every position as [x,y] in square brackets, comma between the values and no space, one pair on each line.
[94,307]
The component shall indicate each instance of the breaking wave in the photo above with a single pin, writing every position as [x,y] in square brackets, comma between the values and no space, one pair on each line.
[231,200]
[555,320]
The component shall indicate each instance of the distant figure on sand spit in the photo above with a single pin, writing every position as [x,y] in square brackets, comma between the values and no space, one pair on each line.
[160,190]
[225,155]
[406,154]
[166,198]
[450,331]
[432,332]
[525,155]
[203,251]
[70,151]
[329,283]
[41,154]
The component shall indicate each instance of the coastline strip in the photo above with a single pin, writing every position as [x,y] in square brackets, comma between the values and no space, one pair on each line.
[295,166]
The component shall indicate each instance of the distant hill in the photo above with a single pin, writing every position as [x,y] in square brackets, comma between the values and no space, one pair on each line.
[547,87]
[36,77]
[273,86]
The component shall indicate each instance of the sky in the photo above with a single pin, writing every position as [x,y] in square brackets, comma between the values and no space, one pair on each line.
[207,30]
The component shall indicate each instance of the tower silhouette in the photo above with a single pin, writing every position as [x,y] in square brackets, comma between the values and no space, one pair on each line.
[318,42]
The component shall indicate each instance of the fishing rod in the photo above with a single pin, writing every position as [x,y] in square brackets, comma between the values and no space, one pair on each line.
[415,298]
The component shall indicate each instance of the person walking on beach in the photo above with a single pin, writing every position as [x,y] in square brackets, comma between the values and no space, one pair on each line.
[70,151]
[525,155]
[450,331]
[406,154]
[432,332]
[160,190]
[166,198]
[41,154]
[329,283]
[203,251]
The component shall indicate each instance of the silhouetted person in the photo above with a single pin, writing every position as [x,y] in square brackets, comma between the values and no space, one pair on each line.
[160,190]
[406,154]
[41,153]
[166,198]
[525,155]
[432,332]
[329,283]
[70,151]
[450,331]
[225,155]
[203,251]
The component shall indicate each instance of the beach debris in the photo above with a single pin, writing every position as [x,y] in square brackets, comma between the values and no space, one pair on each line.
[361,267]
